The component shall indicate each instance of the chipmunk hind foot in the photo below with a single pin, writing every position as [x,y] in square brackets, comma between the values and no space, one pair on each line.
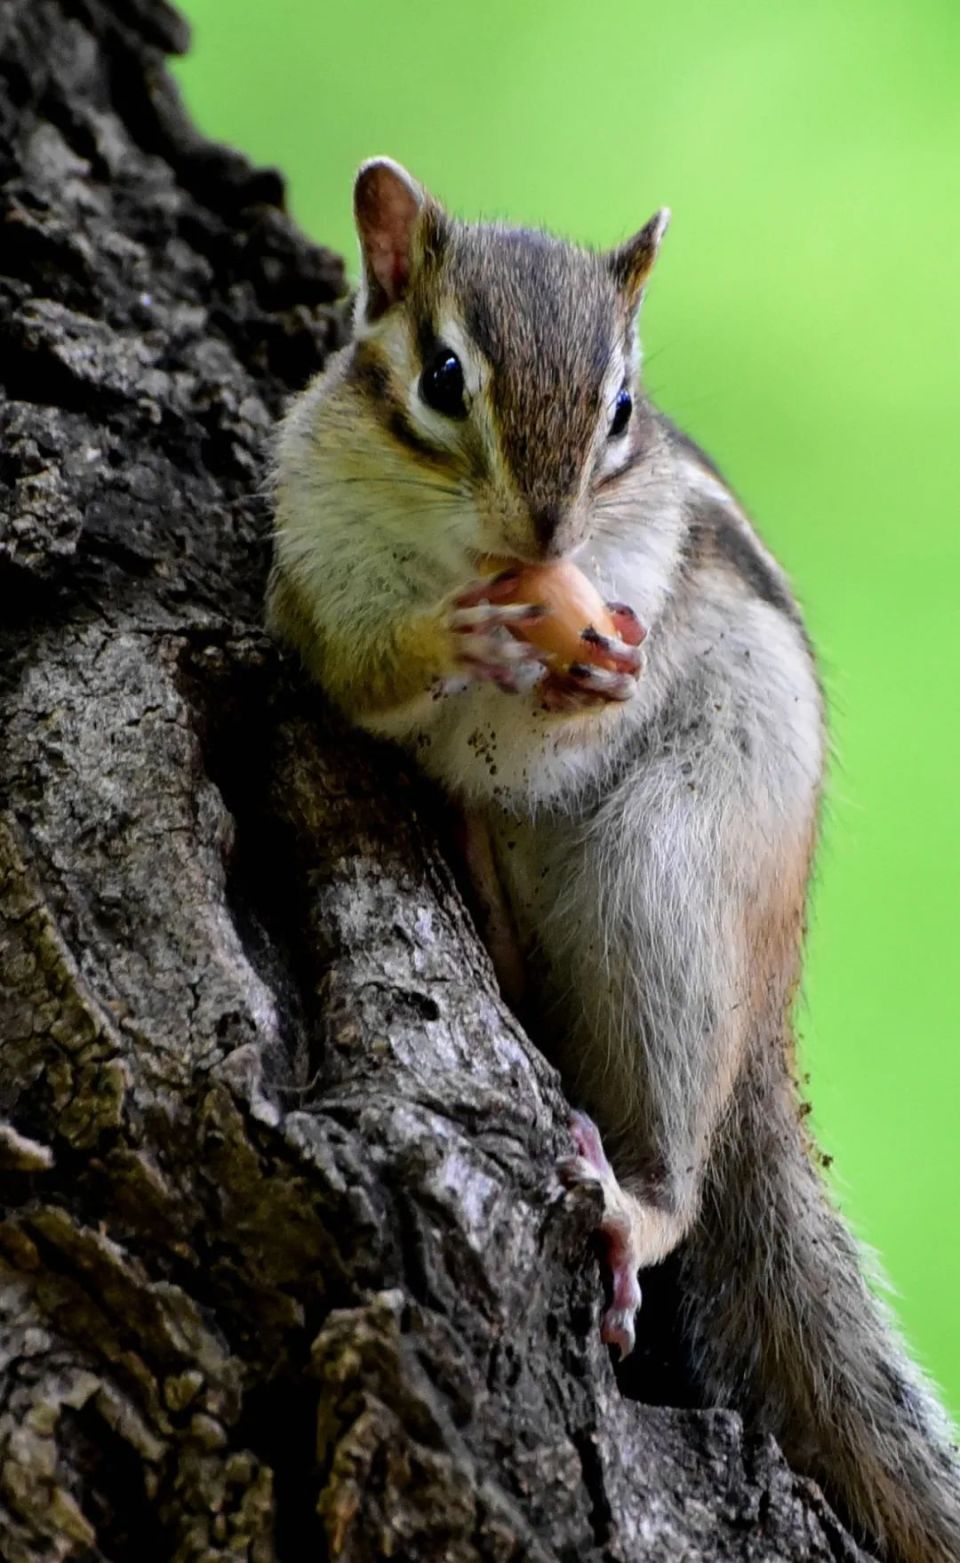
[632,1235]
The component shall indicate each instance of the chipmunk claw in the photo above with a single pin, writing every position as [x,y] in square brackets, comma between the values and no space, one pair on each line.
[624,657]
[473,618]
[627,624]
[587,685]
[617,1328]
[590,1166]
[605,682]
[584,687]
[484,649]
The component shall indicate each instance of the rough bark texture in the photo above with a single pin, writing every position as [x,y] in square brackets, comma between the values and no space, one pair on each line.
[284,1270]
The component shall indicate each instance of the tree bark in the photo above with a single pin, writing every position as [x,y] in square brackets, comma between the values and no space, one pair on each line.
[284,1268]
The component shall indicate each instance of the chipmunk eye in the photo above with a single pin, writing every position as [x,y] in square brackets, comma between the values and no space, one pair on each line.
[441,384]
[621,414]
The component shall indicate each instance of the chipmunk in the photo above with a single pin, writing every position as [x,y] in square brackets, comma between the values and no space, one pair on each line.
[650,816]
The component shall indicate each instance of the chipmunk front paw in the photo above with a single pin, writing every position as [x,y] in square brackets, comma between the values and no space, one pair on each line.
[611,668]
[480,620]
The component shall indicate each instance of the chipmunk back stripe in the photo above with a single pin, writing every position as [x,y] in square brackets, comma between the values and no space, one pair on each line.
[714,534]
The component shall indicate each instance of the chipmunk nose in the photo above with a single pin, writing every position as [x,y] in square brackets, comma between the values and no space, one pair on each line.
[546,519]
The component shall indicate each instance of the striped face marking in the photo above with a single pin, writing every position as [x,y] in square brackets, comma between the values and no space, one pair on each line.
[508,358]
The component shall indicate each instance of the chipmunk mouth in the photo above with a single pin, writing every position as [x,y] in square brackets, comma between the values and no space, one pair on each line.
[528,549]
[515,527]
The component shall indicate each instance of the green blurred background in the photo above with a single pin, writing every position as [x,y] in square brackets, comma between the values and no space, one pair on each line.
[803,326]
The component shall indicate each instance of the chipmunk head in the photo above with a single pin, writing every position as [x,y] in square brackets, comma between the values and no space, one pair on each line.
[504,359]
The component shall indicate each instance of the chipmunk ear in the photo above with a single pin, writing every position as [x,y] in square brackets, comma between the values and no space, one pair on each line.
[396,219]
[632,262]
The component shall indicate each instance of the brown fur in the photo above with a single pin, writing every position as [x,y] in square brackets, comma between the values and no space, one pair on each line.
[415,655]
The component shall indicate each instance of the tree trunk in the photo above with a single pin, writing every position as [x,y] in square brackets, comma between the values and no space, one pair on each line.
[284,1268]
